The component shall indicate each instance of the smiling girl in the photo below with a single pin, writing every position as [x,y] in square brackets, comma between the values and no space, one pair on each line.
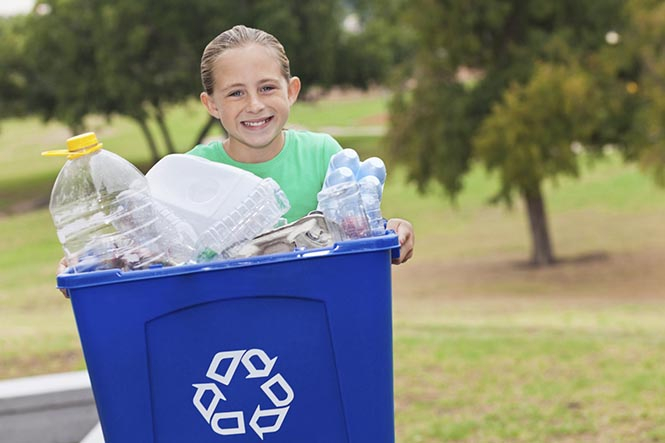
[249,88]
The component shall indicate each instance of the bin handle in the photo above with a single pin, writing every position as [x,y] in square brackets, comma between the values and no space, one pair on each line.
[316,253]
[342,247]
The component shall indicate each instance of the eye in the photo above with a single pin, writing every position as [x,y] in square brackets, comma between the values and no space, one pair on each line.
[267,88]
[236,93]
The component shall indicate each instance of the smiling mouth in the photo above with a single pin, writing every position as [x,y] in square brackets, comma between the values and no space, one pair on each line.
[257,123]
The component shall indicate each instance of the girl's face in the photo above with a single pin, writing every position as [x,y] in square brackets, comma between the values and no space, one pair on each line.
[252,100]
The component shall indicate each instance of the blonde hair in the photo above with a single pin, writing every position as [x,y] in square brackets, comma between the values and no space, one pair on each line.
[237,37]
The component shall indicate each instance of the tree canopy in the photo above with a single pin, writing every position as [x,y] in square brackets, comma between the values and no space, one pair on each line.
[512,85]
[73,58]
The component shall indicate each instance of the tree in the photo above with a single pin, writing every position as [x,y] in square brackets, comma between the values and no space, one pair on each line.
[13,82]
[372,42]
[60,69]
[644,43]
[154,63]
[511,85]
[138,58]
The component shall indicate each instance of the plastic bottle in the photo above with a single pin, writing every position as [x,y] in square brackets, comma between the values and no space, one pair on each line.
[264,208]
[347,158]
[339,175]
[342,204]
[373,166]
[370,192]
[105,216]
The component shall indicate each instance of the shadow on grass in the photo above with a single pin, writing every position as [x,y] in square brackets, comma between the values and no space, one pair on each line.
[579,259]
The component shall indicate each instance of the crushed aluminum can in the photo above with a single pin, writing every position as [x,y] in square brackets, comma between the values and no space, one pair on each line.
[309,232]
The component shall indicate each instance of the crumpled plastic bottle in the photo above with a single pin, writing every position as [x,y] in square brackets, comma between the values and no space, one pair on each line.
[259,212]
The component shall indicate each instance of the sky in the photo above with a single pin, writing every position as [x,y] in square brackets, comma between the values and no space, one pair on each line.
[13,7]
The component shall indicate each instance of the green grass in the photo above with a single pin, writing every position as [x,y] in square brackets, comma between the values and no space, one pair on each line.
[485,348]
[505,382]
[22,141]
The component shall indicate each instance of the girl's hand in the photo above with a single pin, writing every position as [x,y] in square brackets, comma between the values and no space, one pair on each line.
[62,266]
[406,237]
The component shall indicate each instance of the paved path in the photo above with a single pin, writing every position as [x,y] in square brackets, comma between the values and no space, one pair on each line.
[56,408]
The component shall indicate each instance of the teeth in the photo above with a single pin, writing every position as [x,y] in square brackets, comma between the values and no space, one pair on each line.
[259,123]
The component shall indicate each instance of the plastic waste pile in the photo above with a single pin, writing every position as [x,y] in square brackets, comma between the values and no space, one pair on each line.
[188,209]
[351,194]
[261,210]
[226,205]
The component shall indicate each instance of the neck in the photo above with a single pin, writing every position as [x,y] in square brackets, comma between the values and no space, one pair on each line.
[240,152]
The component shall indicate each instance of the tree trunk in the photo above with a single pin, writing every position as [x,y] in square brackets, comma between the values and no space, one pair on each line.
[149,138]
[204,131]
[541,246]
[159,116]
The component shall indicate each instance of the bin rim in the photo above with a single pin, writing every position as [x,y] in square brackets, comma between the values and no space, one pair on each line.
[70,280]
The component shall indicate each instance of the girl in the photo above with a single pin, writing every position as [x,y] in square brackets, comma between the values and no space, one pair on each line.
[248,87]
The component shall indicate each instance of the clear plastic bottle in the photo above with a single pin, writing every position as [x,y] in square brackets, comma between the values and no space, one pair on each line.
[342,204]
[347,158]
[105,216]
[339,175]
[260,211]
[372,166]
[370,192]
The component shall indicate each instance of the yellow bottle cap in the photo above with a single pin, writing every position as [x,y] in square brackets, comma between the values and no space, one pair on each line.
[77,146]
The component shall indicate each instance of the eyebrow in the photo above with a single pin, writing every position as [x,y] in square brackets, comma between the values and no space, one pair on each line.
[233,86]
[242,85]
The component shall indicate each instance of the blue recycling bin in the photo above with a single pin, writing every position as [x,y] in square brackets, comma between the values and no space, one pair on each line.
[284,348]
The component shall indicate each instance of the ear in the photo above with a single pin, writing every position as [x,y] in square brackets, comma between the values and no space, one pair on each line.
[294,89]
[210,105]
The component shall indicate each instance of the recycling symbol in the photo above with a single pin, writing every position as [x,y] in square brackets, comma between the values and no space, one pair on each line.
[219,421]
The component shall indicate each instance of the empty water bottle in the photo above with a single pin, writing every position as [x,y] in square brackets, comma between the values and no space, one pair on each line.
[351,194]
[372,166]
[370,191]
[339,175]
[345,158]
[261,211]
[342,204]
[105,216]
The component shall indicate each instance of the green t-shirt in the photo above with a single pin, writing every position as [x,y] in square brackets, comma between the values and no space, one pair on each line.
[299,168]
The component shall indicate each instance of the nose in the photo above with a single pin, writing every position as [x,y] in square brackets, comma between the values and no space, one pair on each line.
[255,104]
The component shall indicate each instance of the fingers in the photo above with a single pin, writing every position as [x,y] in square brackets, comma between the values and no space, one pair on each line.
[62,267]
[406,237]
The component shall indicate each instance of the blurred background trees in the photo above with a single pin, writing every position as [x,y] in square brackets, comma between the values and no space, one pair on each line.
[513,86]
[524,88]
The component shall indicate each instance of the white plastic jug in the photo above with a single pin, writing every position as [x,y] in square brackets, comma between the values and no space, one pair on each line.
[198,190]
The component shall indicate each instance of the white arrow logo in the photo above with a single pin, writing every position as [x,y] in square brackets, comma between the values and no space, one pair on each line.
[201,389]
[253,371]
[279,413]
[237,415]
[277,378]
[220,357]
[249,360]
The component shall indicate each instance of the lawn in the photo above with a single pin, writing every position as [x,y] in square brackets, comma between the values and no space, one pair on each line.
[486,348]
